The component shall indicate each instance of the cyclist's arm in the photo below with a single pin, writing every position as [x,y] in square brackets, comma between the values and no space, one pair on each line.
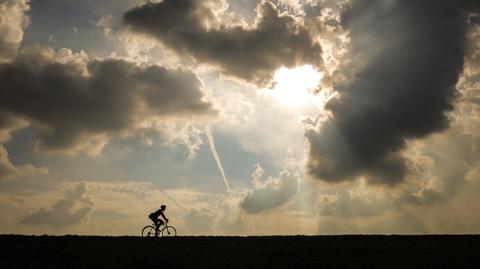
[163,216]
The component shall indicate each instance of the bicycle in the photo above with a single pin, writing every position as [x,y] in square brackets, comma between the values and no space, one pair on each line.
[164,230]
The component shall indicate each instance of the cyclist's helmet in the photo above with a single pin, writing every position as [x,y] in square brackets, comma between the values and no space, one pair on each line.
[163,206]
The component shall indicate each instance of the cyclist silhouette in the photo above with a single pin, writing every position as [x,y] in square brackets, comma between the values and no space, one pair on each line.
[154,217]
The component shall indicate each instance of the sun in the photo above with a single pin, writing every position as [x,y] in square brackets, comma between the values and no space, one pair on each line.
[293,86]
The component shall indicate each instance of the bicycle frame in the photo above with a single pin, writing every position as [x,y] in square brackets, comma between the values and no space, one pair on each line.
[160,231]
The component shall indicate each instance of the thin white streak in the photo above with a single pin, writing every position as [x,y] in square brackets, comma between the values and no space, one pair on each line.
[216,157]
[172,200]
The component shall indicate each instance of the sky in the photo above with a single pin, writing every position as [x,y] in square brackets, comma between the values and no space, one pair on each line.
[244,117]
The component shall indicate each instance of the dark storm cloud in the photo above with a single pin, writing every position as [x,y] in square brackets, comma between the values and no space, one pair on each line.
[68,97]
[412,53]
[475,19]
[250,53]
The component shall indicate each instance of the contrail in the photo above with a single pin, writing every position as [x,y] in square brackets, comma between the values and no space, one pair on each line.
[171,199]
[216,157]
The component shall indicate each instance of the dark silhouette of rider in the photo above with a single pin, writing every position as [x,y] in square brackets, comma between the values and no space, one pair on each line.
[154,217]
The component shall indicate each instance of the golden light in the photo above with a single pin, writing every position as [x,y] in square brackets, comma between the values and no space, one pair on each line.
[293,86]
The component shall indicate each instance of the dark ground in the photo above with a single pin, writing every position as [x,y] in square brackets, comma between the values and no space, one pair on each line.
[352,251]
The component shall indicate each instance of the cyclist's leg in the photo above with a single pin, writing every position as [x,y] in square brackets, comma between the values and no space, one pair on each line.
[158,223]
[154,220]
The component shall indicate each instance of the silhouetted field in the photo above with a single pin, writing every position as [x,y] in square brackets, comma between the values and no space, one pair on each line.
[352,251]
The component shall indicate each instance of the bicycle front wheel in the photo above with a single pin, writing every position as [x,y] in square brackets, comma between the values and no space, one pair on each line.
[148,231]
[169,231]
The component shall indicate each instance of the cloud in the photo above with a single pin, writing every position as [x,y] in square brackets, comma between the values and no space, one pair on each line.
[445,162]
[70,210]
[75,103]
[105,23]
[190,137]
[22,178]
[411,55]
[271,193]
[8,170]
[199,221]
[8,124]
[344,205]
[395,222]
[12,23]
[220,218]
[252,53]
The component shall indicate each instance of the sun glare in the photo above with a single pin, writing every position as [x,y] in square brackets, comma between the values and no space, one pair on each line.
[293,86]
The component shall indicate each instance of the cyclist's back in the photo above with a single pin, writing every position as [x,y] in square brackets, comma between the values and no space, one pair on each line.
[155,216]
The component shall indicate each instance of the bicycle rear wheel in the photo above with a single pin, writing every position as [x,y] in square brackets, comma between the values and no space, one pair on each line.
[148,231]
[169,231]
